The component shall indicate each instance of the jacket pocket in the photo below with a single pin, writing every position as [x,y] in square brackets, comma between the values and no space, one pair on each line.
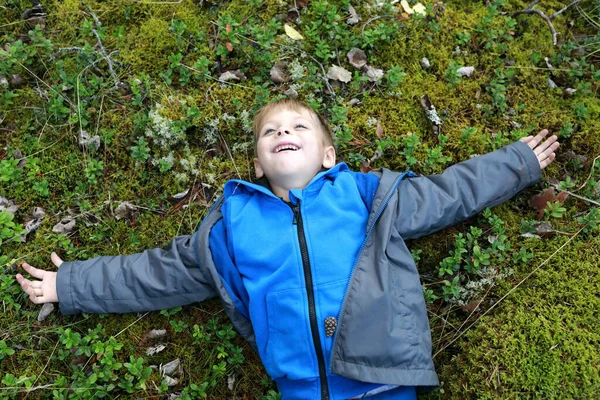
[289,351]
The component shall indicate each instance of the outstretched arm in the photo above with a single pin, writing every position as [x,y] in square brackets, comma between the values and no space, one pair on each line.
[155,279]
[429,203]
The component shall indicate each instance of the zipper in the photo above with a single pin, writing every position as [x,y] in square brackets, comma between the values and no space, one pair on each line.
[362,246]
[312,310]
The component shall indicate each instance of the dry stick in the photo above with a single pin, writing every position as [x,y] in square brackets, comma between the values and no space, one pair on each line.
[544,17]
[102,49]
[579,197]
[509,292]
[564,9]
[589,176]
[530,10]
[362,33]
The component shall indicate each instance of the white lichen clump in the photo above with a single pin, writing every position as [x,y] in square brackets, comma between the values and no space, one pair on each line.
[160,129]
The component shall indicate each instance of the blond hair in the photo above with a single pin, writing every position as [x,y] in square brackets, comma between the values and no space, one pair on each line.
[293,105]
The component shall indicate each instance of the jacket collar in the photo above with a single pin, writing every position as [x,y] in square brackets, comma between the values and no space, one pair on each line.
[262,184]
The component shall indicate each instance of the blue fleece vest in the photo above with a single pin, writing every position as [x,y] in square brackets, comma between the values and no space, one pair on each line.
[258,255]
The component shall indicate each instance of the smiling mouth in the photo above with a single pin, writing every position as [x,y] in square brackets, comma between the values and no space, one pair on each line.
[286,147]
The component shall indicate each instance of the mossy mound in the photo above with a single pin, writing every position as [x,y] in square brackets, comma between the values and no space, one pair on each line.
[542,341]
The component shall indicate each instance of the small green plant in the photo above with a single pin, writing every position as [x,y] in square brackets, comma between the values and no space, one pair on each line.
[178,326]
[94,170]
[394,77]
[410,143]
[566,130]
[555,209]
[464,38]
[452,75]
[140,152]
[5,350]
[435,159]
[171,311]
[42,188]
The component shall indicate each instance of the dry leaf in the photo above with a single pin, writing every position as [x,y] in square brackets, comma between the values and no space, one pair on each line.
[292,33]
[8,205]
[125,210]
[354,17]
[87,142]
[406,7]
[279,73]
[339,74]
[66,225]
[379,130]
[46,310]
[419,9]
[228,28]
[235,75]
[373,74]
[357,58]
[302,3]
[540,201]
[229,46]
[155,350]
[465,71]
[171,368]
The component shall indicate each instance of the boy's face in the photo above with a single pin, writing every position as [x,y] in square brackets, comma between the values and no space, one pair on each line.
[291,148]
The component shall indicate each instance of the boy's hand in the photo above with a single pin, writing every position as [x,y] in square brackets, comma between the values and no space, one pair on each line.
[543,150]
[44,290]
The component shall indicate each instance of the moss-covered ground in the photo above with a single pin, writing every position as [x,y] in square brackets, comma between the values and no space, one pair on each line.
[511,316]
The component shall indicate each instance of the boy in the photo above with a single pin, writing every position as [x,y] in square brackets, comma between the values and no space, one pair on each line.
[309,261]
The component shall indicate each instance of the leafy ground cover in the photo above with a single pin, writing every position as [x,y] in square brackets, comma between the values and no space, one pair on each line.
[121,120]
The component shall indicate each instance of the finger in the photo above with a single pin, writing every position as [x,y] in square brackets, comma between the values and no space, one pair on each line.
[56,260]
[24,282]
[538,138]
[36,273]
[547,161]
[546,153]
[543,146]
[38,292]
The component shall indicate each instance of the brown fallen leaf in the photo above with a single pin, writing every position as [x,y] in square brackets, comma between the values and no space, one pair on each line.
[540,200]
[229,46]
[379,130]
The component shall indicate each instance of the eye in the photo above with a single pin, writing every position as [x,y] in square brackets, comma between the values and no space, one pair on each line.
[268,131]
[300,126]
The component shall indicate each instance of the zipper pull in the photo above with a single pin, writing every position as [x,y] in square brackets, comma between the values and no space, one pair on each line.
[296,211]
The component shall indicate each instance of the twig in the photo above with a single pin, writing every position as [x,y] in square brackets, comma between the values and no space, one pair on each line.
[102,49]
[548,19]
[589,176]
[564,9]
[362,32]
[510,291]
[576,195]
[544,17]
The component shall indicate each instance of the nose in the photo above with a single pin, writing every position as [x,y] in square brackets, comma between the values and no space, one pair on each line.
[281,131]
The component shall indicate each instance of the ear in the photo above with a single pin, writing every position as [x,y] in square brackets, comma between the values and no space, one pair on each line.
[329,157]
[258,169]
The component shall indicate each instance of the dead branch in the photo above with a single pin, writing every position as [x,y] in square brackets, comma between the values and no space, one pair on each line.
[100,45]
[548,19]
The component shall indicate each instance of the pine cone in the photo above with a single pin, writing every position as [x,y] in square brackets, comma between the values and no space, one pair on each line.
[330,325]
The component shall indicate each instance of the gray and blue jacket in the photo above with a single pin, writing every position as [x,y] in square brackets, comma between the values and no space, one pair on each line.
[323,287]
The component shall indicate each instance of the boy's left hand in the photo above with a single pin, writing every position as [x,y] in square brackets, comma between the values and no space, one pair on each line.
[543,150]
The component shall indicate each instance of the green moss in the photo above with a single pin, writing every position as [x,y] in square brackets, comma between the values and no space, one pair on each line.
[542,340]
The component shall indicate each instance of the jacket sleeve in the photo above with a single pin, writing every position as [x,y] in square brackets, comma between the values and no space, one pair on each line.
[155,279]
[430,203]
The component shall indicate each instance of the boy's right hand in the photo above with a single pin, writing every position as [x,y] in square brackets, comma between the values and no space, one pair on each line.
[42,290]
